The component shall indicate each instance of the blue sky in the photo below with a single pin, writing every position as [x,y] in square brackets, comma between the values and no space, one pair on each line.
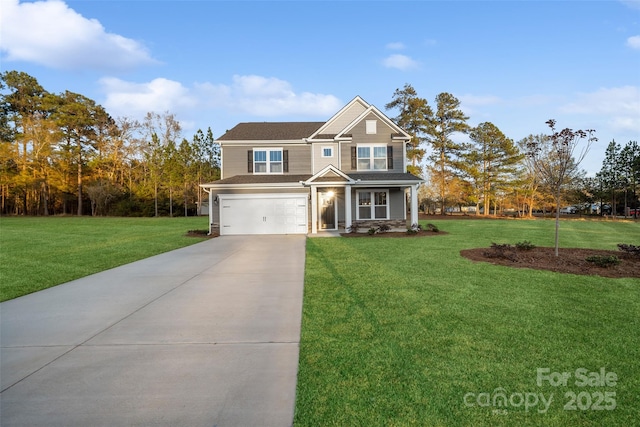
[214,64]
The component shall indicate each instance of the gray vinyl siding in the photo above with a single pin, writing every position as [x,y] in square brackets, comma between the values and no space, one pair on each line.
[322,162]
[299,159]
[234,158]
[382,136]
[345,120]
[396,210]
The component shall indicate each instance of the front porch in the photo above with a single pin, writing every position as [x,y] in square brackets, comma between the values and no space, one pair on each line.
[339,199]
[336,208]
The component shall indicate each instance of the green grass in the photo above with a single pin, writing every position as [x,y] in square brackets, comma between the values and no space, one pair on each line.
[397,331]
[39,252]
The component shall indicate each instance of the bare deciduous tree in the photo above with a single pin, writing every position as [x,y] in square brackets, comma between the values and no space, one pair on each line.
[556,161]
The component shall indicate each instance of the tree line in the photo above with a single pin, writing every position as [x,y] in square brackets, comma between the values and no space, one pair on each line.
[482,168]
[64,154]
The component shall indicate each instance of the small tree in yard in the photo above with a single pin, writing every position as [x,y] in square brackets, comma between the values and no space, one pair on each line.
[555,163]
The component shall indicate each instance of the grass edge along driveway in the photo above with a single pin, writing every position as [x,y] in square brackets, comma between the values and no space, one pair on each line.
[39,252]
[400,332]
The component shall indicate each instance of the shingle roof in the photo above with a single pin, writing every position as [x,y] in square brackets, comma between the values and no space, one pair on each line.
[262,179]
[264,131]
[384,176]
[294,178]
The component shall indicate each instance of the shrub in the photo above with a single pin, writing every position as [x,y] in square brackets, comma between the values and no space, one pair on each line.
[198,232]
[525,245]
[383,228]
[372,231]
[632,250]
[416,227]
[433,228]
[603,261]
[353,228]
[504,251]
[412,230]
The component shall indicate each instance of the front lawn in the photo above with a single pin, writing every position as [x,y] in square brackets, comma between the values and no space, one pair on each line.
[407,332]
[39,252]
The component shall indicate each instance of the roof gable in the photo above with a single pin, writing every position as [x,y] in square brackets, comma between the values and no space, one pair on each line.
[372,110]
[341,119]
[330,174]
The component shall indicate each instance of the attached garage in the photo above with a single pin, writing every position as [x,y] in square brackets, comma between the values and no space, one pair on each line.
[263,214]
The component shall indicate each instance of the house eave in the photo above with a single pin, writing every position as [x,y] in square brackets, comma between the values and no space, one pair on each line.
[263,142]
[390,183]
[278,185]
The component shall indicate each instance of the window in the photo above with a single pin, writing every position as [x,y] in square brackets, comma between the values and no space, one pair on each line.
[371,126]
[373,204]
[372,157]
[327,151]
[268,160]
[275,161]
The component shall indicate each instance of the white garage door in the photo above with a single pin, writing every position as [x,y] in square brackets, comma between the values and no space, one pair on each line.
[263,214]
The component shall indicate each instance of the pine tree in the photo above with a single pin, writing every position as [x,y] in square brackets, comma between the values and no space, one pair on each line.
[448,120]
[414,117]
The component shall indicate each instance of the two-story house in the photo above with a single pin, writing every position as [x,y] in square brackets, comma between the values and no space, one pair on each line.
[301,177]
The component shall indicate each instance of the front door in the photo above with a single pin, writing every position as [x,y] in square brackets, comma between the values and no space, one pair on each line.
[327,211]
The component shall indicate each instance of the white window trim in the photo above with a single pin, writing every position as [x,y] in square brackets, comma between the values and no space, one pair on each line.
[326,148]
[371,157]
[268,161]
[371,127]
[373,206]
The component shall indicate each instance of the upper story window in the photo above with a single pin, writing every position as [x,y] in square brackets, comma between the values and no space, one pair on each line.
[371,126]
[268,160]
[327,151]
[372,157]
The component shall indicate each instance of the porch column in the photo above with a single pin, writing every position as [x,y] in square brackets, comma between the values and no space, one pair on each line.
[314,209]
[414,204]
[347,207]
[210,193]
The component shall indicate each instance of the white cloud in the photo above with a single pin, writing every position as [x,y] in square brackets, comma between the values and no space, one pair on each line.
[249,95]
[634,42]
[619,106]
[52,34]
[269,97]
[136,99]
[634,4]
[401,62]
[395,46]
[468,104]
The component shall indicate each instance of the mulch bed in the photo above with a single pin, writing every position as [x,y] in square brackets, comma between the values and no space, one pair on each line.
[201,233]
[569,260]
[396,234]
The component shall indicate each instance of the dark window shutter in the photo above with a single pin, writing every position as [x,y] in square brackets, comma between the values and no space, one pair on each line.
[354,158]
[389,157]
[250,161]
[285,160]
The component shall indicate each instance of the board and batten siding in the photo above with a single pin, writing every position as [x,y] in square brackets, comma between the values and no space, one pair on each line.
[234,158]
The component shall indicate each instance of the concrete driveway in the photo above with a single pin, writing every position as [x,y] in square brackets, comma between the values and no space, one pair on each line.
[207,335]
